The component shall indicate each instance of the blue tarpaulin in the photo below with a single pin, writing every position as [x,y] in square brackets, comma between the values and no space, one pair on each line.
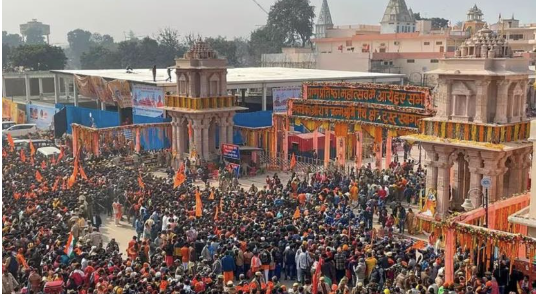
[80,115]
[257,119]
[154,142]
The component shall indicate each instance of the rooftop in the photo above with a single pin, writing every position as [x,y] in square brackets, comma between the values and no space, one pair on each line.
[247,77]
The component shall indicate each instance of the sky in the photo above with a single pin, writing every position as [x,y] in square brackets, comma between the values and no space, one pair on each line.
[229,18]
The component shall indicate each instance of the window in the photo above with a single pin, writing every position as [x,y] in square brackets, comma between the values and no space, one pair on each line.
[397,43]
[348,43]
[439,43]
[382,44]
[410,61]
[516,37]
[426,43]
[382,50]
[434,61]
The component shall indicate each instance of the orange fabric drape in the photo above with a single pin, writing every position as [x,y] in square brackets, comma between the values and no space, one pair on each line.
[11,142]
[38,176]
[297,213]
[198,204]
[292,161]
[179,179]
[341,130]
[140,182]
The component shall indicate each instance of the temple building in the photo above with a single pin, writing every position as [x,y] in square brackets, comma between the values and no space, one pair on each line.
[480,129]
[397,18]
[324,21]
[201,111]
[474,21]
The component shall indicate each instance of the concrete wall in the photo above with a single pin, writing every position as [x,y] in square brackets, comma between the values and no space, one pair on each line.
[341,61]
[414,70]
[432,44]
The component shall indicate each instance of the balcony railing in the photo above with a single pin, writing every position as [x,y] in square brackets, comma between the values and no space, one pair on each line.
[196,103]
[483,133]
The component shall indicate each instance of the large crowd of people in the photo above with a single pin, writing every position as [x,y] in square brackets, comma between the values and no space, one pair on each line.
[313,234]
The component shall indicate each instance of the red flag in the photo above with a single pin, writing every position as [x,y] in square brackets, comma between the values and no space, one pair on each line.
[60,156]
[22,156]
[10,141]
[292,161]
[38,176]
[43,164]
[32,149]
[179,179]
[316,276]
[198,204]
[140,182]
[56,183]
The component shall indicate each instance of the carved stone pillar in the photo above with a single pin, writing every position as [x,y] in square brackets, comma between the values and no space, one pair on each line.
[475,165]
[193,79]
[502,99]
[206,141]
[515,174]
[174,135]
[198,138]
[458,183]
[223,83]
[526,162]
[444,96]
[443,180]
[481,115]
[431,175]
[491,170]
[181,137]
[204,91]
[223,130]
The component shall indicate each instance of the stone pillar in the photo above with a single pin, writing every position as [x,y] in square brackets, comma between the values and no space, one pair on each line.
[444,94]
[57,88]
[40,86]
[264,90]
[223,83]
[443,180]
[27,87]
[223,130]
[475,165]
[525,170]
[515,174]
[230,127]
[75,93]
[523,109]
[481,115]
[458,182]
[67,90]
[502,100]
[491,170]
[174,135]
[182,136]
[204,84]
[206,140]
[198,137]
[430,163]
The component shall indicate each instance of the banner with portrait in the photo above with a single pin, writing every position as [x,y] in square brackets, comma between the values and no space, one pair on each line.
[120,90]
[144,96]
[42,116]
[280,97]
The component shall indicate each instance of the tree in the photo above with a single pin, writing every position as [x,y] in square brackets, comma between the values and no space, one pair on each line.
[100,57]
[6,52]
[169,46]
[264,40]
[79,41]
[292,19]
[105,41]
[34,36]
[437,22]
[224,48]
[13,40]
[38,57]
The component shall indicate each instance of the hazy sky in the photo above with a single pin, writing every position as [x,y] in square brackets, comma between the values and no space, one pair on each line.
[221,17]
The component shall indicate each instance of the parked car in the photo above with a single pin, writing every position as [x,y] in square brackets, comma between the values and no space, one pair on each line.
[7,124]
[20,130]
[37,143]
[48,151]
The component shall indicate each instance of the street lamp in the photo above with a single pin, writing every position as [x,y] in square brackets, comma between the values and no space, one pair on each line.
[468,204]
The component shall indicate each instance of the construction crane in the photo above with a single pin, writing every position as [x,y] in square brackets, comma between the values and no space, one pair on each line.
[260,6]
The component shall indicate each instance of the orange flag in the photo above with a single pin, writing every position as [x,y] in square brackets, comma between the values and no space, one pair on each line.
[32,149]
[297,213]
[211,197]
[38,176]
[56,183]
[10,141]
[16,195]
[82,172]
[221,204]
[43,164]
[60,156]
[72,178]
[292,161]
[216,214]
[181,168]
[198,204]
[22,156]
[179,179]
[140,182]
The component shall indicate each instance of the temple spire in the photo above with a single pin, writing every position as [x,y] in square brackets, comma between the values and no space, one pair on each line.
[397,18]
[324,21]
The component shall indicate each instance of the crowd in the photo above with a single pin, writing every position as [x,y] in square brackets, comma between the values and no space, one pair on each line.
[316,229]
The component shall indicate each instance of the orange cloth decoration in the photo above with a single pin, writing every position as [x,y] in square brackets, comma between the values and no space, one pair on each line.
[72,178]
[60,156]
[198,204]
[221,204]
[179,179]
[11,143]
[38,176]
[341,130]
[140,182]
[82,172]
[216,214]
[211,197]
[297,213]
[292,161]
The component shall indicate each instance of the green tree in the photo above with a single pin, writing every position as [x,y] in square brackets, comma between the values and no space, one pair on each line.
[100,57]
[224,48]
[105,41]
[13,40]
[6,51]
[38,57]
[34,36]
[129,52]
[438,22]
[169,47]
[292,19]
[264,40]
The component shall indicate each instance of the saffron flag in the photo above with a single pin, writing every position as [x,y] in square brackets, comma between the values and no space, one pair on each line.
[216,214]
[32,149]
[10,141]
[297,213]
[181,168]
[22,156]
[72,178]
[292,161]
[140,182]
[82,172]
[221,204]
[69,246]
[316,276]
[38,176]
[60,156]
[211,197]
[198,204]
[179,179]
[43,164]
[16,196]
[56,183]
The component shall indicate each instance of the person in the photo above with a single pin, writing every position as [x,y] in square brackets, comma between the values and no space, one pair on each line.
[228,267]
[410,217]
[154,73]
[9,283]
[96,221]
[169,74]
[117,208]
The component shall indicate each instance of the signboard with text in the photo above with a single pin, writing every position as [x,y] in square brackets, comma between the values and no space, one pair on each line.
[281,95]
[230,151]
